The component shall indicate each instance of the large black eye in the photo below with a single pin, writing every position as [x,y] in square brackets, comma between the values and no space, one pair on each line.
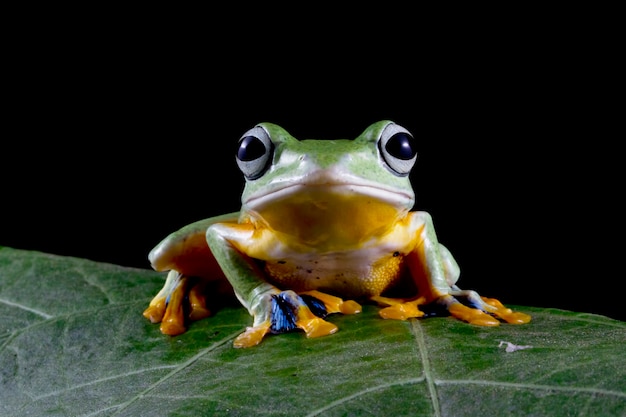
[398,149]
[254,152]
[250,148]
[402,146]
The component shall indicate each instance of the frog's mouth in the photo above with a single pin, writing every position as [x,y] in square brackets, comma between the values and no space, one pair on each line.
[330,216]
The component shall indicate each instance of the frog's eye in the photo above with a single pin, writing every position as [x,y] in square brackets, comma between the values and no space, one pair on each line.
[254,153]
[398,149]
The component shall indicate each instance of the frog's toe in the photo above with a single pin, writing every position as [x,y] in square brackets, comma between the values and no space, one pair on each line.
[399,309]
[172,326]
[173,322]
[156,310]
[252,336]
[197,303]
[316,327]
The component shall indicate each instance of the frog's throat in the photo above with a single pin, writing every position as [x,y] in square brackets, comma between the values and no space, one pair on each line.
[330,218]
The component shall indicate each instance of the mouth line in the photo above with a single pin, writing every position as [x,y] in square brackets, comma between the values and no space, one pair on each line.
[333,187]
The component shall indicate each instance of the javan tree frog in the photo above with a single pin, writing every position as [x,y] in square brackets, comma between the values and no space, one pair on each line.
[322,223]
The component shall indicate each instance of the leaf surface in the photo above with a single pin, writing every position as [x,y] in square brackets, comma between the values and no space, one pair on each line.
[73,342]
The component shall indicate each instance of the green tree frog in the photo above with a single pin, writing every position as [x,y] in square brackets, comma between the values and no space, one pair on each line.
[323,225]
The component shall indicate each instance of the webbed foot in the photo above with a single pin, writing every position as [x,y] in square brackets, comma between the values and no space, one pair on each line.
[290,311]
[472,308]
[505,313]
[180,299]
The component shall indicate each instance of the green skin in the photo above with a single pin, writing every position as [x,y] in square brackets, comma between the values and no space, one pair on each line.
[292,217]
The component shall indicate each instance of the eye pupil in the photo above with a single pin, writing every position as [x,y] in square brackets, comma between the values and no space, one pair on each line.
[255,152]
[250,148]
[402,146]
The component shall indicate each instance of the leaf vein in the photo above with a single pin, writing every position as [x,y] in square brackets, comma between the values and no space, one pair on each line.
[533,386]
[93,282]
[26,308]
[430,380]
[176,370]
[99,380]
[365,391]
[589,318]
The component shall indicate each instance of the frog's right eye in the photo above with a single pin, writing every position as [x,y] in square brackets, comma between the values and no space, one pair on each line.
[254,153]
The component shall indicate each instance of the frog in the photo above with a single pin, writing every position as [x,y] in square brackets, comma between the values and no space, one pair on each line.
[325,226]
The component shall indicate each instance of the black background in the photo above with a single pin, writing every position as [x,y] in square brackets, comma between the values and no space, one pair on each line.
[118,135]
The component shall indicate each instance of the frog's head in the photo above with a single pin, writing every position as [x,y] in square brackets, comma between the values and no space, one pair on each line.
[340,191]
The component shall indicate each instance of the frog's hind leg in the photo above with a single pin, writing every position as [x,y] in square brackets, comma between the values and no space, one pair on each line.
[181,298]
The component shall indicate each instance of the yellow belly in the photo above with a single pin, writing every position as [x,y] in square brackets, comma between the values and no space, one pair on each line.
[338,275]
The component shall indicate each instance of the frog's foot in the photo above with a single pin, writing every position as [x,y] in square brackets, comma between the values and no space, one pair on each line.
[180,299]
[472,308]
[289,312]
[496,308]
[400,308]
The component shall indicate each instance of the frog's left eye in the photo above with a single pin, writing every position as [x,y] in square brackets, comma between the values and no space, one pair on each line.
[398,149]
[254,153]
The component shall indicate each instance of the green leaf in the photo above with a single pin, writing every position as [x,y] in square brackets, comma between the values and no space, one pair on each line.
[74,343]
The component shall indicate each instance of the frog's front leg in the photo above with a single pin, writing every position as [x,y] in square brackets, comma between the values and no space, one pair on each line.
[435,273]
[193,274]
[236,248]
